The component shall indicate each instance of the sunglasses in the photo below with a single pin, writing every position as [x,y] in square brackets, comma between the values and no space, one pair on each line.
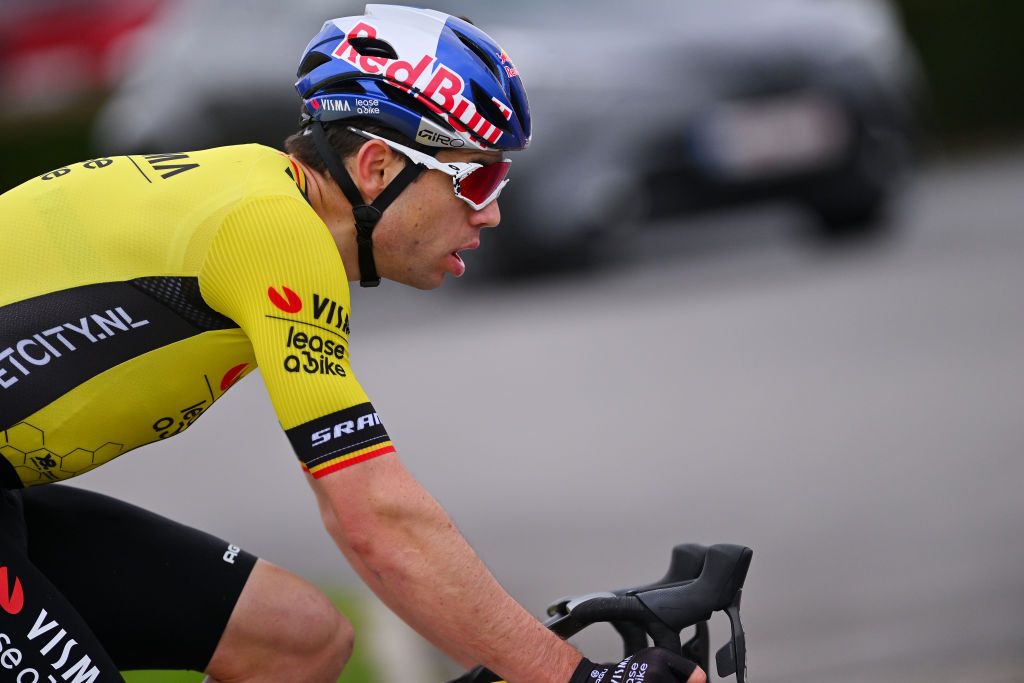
[476,184]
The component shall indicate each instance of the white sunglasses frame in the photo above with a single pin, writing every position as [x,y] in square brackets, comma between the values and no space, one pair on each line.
[456,169]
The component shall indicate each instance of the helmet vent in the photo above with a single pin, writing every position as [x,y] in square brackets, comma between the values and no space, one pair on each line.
[487,108]
[312,61]
[348,86]
[345,84]
[518,104]
[373,47]
[481,54]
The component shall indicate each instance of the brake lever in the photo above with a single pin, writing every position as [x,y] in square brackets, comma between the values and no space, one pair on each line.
[732,657]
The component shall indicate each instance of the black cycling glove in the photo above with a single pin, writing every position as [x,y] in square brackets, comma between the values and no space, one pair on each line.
[653,665]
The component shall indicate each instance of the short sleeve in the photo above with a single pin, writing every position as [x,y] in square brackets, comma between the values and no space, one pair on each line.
[275,270]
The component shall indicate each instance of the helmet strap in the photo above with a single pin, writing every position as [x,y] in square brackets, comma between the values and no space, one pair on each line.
[366,215]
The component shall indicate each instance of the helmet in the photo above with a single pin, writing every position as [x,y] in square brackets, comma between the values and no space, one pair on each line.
[433,77]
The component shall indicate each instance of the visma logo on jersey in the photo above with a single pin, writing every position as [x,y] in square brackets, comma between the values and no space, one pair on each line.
[57,646]
[320,349]
[325,310]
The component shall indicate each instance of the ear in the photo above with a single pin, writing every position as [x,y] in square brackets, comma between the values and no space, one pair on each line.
[373,168]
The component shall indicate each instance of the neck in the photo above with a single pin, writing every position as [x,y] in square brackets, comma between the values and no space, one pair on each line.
[334,210]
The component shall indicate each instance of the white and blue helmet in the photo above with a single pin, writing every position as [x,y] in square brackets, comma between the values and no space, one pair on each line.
[433,77]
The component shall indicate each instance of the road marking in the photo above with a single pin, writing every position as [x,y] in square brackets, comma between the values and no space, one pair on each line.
[397,651]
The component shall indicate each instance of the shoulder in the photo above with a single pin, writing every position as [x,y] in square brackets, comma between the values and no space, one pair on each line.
[241,170]
[271,171]
[271,201]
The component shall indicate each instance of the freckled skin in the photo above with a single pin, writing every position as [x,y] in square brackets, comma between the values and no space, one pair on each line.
[426,223]
[419,230]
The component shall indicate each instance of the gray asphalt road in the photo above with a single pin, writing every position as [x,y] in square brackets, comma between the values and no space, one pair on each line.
[856,419]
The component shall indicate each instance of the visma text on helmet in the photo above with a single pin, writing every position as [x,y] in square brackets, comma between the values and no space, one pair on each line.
[433,83]
[364,107]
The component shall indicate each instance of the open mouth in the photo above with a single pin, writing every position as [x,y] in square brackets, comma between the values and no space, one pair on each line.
[455,264]
[455,261]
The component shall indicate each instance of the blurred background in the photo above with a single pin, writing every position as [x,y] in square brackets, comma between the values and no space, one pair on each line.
[758,280]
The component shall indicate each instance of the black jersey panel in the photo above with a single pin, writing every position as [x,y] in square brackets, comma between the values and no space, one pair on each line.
[181,295]
[52,343]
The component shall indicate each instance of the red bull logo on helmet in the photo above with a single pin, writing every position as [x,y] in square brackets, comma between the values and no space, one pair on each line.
[510,70]
[431,82]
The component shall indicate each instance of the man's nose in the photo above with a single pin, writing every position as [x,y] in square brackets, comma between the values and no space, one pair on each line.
[487,217]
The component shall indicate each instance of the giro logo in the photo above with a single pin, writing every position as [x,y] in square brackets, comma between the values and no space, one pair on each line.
[12,598]
[289,302]
[232,375]
[436,138]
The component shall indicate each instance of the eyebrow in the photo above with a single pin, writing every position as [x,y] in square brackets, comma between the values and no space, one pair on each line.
[485,160]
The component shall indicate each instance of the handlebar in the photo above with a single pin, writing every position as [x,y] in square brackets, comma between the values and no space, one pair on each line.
[700,580]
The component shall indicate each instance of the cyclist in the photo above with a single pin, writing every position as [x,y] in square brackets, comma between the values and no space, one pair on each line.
[139,289]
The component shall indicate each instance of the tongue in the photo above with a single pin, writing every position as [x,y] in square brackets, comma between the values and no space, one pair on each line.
[458,265]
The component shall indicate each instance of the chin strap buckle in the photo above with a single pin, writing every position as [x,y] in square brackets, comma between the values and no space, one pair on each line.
[366,219]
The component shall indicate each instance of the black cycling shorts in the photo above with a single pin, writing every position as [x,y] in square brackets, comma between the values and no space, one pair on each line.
[90,586]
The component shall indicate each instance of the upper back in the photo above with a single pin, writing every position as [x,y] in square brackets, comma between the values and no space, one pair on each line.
[138,290]
[118,218]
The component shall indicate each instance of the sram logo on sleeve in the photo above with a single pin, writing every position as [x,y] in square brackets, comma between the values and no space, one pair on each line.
[342,429]
[343,438]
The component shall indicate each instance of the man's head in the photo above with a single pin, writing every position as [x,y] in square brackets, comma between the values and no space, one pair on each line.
[442,90]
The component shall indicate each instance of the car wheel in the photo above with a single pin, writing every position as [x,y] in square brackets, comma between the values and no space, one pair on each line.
[863,216]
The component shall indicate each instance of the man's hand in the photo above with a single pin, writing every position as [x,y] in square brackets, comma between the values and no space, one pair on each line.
[653,665]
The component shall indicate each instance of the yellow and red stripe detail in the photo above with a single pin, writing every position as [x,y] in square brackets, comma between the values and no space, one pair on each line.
[349,459]
[298,175]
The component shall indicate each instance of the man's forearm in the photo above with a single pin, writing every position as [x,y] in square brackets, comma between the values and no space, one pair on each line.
[411,555]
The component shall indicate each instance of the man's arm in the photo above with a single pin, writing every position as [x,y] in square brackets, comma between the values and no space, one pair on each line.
[406,548]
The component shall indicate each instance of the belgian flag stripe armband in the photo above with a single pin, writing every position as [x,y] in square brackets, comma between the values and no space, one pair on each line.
[341,439]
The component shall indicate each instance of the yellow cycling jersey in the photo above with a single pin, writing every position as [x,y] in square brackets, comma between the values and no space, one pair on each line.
[138,289]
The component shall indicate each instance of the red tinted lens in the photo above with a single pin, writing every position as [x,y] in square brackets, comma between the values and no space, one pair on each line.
[479,185]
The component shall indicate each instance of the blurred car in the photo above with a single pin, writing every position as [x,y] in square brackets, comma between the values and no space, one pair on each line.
[56,52]
[641,111]
[675,106]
